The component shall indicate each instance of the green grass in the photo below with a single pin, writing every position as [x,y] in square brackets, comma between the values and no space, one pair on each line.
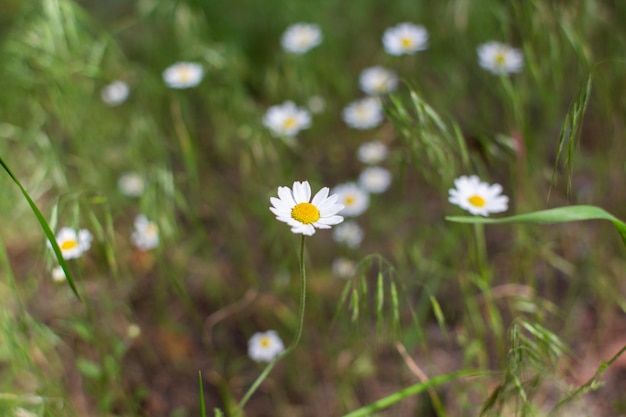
[516,319]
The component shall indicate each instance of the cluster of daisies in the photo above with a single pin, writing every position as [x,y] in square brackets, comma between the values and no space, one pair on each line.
[75,242]
[287,119]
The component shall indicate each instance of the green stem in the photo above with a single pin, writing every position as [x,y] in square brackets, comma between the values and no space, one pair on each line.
[293,344]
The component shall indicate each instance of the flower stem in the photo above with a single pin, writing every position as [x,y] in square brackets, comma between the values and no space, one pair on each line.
[293,344]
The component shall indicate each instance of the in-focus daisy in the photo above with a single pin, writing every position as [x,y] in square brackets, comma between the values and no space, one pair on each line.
[265,346]
[378,80]
[375,180]
[478,197]
[146,233]
[301,37]
[343,267]
[293,207]
[363,114]
[131,184]
[115,93]
[500,58]
[73,243]
[183,75]
[405,38]
[355,199]
[348,233]
[286,119]
[372,152]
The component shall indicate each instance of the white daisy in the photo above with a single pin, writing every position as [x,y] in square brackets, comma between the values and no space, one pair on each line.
[58,274]
[72,243]
[363,114]
[378,80]
[372,152]
[265,346]
[348,233]
[355,199]
[146,233]
[343,267]
[478,197]
[316,104]
[183,75]
[405,38]
[375,180]
[286,119]
[115,93]
[131,184]
[500,58]
[293,207]
[301,37]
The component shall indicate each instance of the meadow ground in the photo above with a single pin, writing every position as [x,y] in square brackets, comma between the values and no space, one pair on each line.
[174,149]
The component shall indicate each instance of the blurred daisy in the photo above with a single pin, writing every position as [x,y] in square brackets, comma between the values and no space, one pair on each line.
[293,207]
[343,267]
[301,37]
[375,180]
[363,114]
[478,197]
[316,104]
[58,274]
[500,58]
[146,233]
[355,199]
[286,119]
[405,38]
[372,152]
[133,331]
[183,75]
[73,243]
[115,93]
[131,184]
[378,80]
[265,346]
[349,234]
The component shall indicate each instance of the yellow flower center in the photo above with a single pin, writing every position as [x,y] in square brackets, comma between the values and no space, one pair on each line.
[69,244]
[289,122]
[349,200]
[305,213]
[265,342]
[185,74]
[407,42]
[477,201]
[499,59]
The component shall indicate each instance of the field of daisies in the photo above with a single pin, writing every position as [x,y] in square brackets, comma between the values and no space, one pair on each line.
[329,208]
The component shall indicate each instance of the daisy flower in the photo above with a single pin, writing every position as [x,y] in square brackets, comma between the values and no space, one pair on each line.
[58,274]
[372,152]
[355,199]
[293,207]
[375,180]
[183,75]
[363,114]
[500,58]
[115,93]
[343,267]
[73,243]
[316,104]
[378,80]
[131,184]
[349,234]
[478,197]
[286,119]
[265,346]
[301,37]
[405,38]
[146,233]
